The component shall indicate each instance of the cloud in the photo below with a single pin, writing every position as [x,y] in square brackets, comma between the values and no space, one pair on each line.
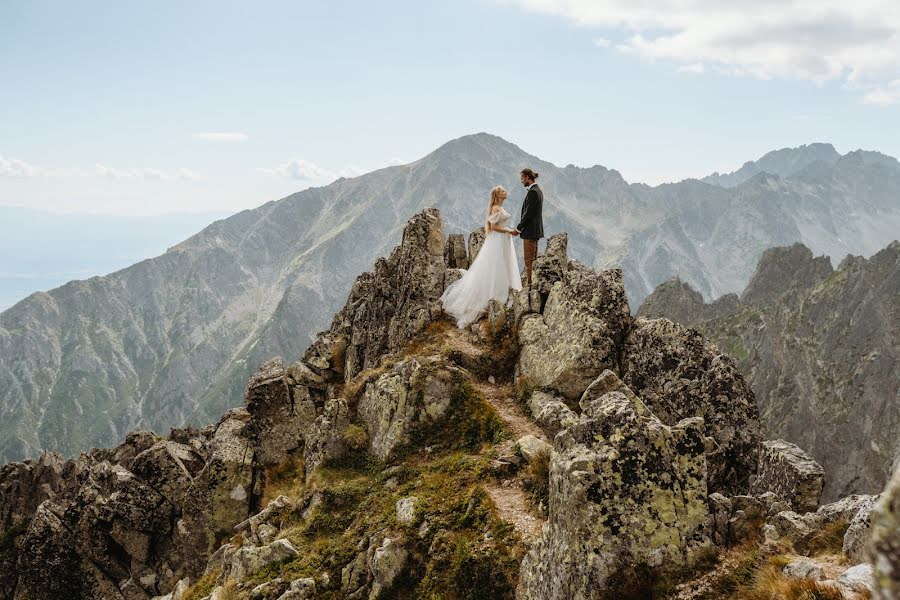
[304,170]
[221,136]
[14,167]
[856,43]
[602,42]
[145,173]
[697,68]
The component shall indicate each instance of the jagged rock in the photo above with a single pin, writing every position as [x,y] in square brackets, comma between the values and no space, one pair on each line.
[856,539]
[223,493]
[273,588]
[397,299]
[256,525]
[406,510]
[325,440]
[804,568]
[530,447]
[178,593]
[720,514]
[301,589]
[791,473]
[388,561]
[885,542]
[790,526]
[48,546]
[625,490]
[798,529]
[455,256]
[410,395]
[552,265]
[281,414]
[250,559]
[169,468]
[858,578]
[552,414]
[476,241]
[679,374]
[575,339]
[451,276]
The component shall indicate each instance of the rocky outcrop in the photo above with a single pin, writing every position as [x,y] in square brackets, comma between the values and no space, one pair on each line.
[885,549]
[819,348]
[455,255]
[791,473]
[626,490]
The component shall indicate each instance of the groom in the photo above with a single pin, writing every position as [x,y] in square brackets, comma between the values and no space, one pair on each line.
[531,225]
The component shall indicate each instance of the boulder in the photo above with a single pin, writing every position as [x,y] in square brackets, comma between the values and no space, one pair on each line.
[680,374]
[249,559]
[406,510]
[575,339]
[455,256]
[476,241]
[858,578]
[388,561]
[804,568]
[530,446]
[552,265]
[551,413]
[626,490]
[410,395]
[325,440]
[857,537]
[885,544]
[300,589]
[281,414]
[790,473]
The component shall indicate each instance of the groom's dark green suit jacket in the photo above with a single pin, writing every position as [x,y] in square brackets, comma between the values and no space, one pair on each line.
[531,225]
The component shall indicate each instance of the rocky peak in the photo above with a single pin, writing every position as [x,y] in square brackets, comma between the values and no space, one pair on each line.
[783,269]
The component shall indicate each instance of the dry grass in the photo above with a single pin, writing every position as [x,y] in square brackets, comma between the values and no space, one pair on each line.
[828,540]
[536,479]
[283,479]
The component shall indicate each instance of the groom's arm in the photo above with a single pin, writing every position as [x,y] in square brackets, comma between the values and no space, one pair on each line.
[528,210]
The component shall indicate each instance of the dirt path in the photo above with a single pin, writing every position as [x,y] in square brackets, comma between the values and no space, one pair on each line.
[508,496]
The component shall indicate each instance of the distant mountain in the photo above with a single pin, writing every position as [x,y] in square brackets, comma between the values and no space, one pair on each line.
[820,347]
[174,338]
[40,250]
[786,162]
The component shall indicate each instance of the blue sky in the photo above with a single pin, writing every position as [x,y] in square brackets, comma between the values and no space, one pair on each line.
[108,106]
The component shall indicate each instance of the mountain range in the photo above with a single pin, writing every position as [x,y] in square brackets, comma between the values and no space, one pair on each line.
[820,348]
[172,339]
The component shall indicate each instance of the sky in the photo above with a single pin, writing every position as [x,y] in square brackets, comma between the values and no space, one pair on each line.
[138,108]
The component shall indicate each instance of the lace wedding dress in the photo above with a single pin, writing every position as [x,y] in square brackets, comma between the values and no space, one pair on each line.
[490,276]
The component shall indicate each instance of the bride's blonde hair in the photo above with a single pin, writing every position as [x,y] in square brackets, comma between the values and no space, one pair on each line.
[495,199]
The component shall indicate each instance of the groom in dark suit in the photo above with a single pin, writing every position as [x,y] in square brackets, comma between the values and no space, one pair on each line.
[531,225]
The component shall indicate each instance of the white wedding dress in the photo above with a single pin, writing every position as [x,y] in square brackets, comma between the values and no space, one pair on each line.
[490,276]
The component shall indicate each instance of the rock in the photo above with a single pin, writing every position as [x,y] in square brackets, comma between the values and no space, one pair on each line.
[720,514]
[410,395]
[455,256]
[395,301]
[301,589]
[178,593]
[530,447]
[387,563]
[452,276]
[625,490]
[858,578]
[856,539]
[169,468]
[679,374]
[790,473]
[249,559]
[281,414]
[325,440]
[552,265]
[790,526]
[552,414]
[476,240]
[804,568]
[575,338]
[885,544]
[256,524]
[406,510]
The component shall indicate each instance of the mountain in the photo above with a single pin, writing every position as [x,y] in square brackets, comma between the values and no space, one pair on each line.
[820,347]
[558,448]
[40,250]
[786,162]
[171,340]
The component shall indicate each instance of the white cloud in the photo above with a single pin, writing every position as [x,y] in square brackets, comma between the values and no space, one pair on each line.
[13,167]
[601,42]
[856,43]
[221,136]
[696,68]
[304,170]
[145,173]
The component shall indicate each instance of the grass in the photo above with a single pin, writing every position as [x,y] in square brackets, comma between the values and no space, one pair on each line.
[203,587]
[283,479]
[828,540]
[536,479]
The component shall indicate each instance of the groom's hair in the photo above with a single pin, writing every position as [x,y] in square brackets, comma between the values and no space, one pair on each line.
[530,174]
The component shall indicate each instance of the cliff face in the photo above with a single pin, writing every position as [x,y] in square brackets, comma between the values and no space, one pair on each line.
[819,346]
[172,340]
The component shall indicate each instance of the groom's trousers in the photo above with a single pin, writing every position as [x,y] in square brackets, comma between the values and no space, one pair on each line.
[530,249]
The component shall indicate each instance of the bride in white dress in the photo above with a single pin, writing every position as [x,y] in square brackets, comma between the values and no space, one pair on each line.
[493,272]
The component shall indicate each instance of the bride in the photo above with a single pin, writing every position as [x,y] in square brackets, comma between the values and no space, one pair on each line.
[493,272]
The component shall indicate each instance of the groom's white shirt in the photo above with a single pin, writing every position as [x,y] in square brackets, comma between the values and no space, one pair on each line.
[528,187]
